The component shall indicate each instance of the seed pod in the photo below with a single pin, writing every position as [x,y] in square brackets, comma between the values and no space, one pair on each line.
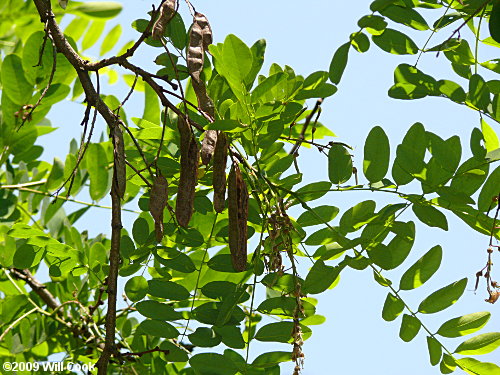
[219,172]
[187,183]
[119,170]
[185,135]
[167,12]
[157,203]
[237,196]
[206,30]
[208,146]
[195,53]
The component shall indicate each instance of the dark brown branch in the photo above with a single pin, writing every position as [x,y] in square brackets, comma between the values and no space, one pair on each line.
[49,299]
[82,67]
[295,148]
[130,52]
[37,287]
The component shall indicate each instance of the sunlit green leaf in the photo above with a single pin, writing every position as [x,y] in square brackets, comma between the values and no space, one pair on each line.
[376,155]
[410,326]
[480,344]
[422,270]
[443,298]
[464,325]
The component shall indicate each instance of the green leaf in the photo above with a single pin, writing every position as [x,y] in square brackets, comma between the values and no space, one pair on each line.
[285,306]
[221,263]
[479,95]
[111,39]
[76,28]
[360,42]
[410,155]
[97,166]
[470,176]
[339,63]
[271,359]
[396,251]
[175,260]
[374,24]
[283,283]
[451,90]
[320,277]
[93,34]
[395,42]
[376,155]
[480,344]
[435,350]
[494,22]
[95,9]
[317,215]
[448,364]
[56,175]
[258,50]
[233,61]
[410,326]
[357,216]
[339,164]
[490,137]
[158,328]
[475,367]
[168,290]
[24,256]
[175,353]
[406,16]
[157,310]
[211,364]
[231,336]
[430,216]
[136,288]
[464,325]
[14,83]
[393,307]
[489,191]
[422,270]
[443,298]
[227,126]
[280,332]
[204,337]
[313,191]
[141,230]
[315,86]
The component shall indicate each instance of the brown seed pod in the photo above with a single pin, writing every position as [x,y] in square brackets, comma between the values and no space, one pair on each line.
[119,172]
[206,30]
[219,172]
[187,183]
[208,146]
[185,134]
[237,196]
[167,12]
[195,53]
[157,203]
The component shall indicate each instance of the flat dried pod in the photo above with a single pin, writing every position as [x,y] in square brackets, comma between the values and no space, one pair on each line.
[185,134]
[219,172]
[195,53]
[119,173]
[237,196]
[208,146]
[167,12]
[206,30]
[157,202]
[187,183]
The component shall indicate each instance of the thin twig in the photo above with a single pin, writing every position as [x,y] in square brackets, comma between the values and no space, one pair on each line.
[295,148]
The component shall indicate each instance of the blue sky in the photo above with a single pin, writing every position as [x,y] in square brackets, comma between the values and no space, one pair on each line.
[304,35]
